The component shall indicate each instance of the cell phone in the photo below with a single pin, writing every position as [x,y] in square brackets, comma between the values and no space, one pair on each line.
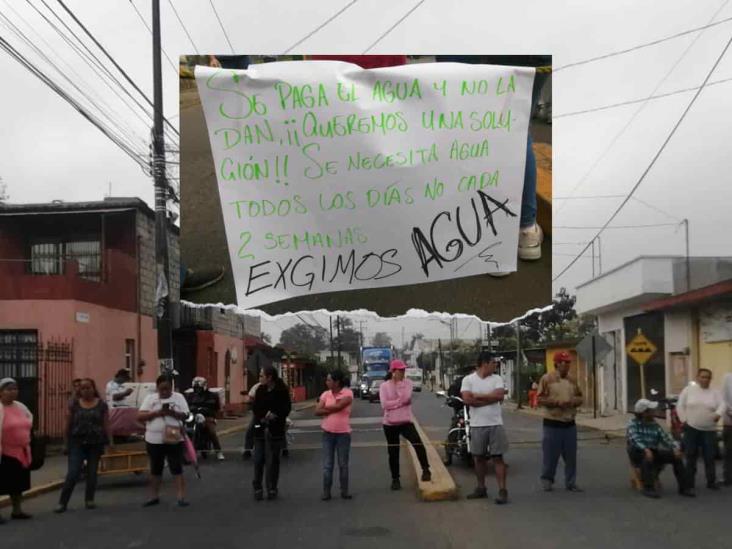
[166,406]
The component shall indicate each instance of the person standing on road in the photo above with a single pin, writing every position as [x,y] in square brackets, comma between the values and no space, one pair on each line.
[483,391]
[271,407]
[727,434]
[395,395]
[87,432]
[650,448]
[16,423]
[700,408]
[560,396]
[163,413]
[334,405]
[249,434]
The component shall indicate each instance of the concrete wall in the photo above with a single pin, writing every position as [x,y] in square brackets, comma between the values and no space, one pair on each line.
[148,269]
[99,344]
[211,364]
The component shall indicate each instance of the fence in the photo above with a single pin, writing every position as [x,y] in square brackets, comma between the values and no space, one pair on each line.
[55,376]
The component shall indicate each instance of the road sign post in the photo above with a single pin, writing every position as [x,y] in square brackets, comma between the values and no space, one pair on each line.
[641,350]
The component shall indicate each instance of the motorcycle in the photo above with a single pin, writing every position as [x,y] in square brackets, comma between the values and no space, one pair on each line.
[196,429]
[458,437]
[669,403]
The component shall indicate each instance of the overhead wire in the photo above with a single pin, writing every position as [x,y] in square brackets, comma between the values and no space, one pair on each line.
[188,34]
[644,45]
[656,156]
[637,112]
[221,24]
[322,25]
[395,25]
[80,108]
[149,28]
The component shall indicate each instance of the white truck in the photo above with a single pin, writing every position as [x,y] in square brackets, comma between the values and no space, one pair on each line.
[415,376]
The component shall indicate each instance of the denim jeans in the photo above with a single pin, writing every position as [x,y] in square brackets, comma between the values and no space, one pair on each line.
[528,198]
[559,442]
[267,450]
[78,453]
[694,439]
[333,443]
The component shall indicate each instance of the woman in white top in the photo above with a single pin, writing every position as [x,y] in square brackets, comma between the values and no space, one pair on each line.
[163,413]
[700,408]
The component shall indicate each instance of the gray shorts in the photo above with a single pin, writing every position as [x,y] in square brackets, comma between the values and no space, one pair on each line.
[486,441]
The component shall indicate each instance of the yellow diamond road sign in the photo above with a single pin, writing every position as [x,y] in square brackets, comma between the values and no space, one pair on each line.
[641,349]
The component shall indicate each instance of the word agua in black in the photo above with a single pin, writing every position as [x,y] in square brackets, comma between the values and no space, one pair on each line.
[426,246]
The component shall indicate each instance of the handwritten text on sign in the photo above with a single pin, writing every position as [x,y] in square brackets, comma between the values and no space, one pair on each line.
[332,177]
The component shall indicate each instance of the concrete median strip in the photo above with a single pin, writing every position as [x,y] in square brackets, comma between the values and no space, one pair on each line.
[34,492]
[442,487]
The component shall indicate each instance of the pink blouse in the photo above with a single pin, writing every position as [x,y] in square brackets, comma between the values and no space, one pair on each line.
[396,400]
[16,435]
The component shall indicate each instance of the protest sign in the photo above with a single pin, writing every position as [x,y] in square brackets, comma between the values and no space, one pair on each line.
[332,177]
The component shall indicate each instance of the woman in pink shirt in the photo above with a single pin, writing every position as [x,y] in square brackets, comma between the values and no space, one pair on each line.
[395,395]
[16,423]
[335,407]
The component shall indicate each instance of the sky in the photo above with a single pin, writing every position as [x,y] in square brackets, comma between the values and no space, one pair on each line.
[50,152]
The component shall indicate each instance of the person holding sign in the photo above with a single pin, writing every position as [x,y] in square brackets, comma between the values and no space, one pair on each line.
[700,408]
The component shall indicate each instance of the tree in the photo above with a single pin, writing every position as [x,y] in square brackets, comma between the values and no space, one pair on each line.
[350,339]
[381,339]
[415,337]
[266,338]
[304,339]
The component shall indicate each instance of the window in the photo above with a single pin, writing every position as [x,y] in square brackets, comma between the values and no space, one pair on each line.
[130,355]
[48,258]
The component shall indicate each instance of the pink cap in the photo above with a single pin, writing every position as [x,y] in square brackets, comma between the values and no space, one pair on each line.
[397,365]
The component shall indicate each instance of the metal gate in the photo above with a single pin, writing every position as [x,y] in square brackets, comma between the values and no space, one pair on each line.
[44,372]
[56,372]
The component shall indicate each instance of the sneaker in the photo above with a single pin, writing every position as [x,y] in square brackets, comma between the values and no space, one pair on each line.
[499,274]
[530,239]
[426,475]
[395,484]
[220,456]
[60,509]
[547,485]
[325,497]
[258,495]
[151,502]
[650,494]
[346,495]
[183,503]
[478,493]
[502,498]
[574,488]
[271,494]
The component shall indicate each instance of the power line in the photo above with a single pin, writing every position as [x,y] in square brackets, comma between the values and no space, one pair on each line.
[645,45]
[80,108]
[114,62]
[188,34]
[637,112]
[614,227]
[395,25]
[144,22]
[588,197]
[321,26]
[635,101]
[657,209]
[657,155]
[222,26]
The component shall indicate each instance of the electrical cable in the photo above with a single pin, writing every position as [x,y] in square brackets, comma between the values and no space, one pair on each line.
[321,26]
[221,24]
[188,34]
[395,25]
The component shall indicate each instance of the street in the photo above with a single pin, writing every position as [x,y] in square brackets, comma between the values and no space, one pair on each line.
[223,513]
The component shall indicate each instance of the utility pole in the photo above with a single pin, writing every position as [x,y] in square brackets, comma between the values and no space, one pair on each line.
[688,259]
[338,328]
[442,363]
[518,364]
[332,358]
[162,294]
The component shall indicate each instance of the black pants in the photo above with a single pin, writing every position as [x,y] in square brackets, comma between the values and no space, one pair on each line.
[267,450]
[650,469]
[249,437]
[727,436]
[159,453]
[707,441]
[78,453]
[408,431]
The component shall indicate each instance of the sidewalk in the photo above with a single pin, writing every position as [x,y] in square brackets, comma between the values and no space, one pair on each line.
[613,426]
[51,476]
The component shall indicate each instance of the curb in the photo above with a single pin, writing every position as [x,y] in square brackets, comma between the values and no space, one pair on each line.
[34,492]
[609,433]
[442,487]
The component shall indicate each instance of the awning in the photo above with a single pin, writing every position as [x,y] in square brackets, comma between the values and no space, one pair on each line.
[715,292]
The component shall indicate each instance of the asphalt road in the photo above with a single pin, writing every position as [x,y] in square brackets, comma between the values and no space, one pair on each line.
[223,513]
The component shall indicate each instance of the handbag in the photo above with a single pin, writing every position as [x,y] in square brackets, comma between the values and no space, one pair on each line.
[172,434]
[38,451]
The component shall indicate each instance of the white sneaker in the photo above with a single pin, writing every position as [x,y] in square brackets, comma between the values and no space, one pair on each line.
[530,239]
[220,456]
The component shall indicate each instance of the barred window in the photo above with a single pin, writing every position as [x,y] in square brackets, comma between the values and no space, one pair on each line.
[48,258]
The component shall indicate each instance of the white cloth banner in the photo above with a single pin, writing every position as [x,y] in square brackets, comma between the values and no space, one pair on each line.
[332,177]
